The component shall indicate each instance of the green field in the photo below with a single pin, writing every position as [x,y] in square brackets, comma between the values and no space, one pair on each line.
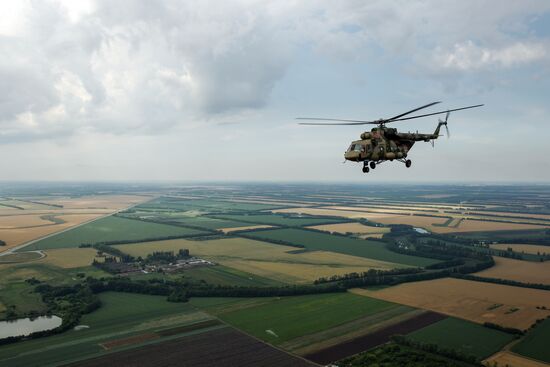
[535,344]
[110,229]
[464,336]
[281,220]
[121,315]
[314,240]
[284,318]
[209,223]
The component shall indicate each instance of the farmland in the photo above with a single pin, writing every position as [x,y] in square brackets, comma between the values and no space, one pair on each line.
[474,301]
[264,259]
[464,336]
[507,358]
[277,250]
[110,229]
[283,319]
[321,241]
[224,347]
[120,316]
[281,220]
[521,271]
[529,249]
[535,344]
[353,227]
[24,233]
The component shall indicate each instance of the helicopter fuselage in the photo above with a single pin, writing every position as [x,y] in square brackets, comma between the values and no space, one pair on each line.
[382,144]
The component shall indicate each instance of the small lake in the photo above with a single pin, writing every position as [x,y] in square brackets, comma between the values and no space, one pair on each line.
[27,326]
[421,230]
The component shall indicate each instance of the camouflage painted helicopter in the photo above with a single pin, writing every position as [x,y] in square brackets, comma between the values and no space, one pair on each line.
[384,143]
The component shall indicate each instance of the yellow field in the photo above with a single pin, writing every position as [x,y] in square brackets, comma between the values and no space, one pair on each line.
[25,205]
[522,271]
[233,229]
[528,249]
[75,211]
[477,226]
[263,258]
[525,215]
[17,236]
[69,257]
[352,228]
[290,272]
[15,221]
[509,359]
[471,300]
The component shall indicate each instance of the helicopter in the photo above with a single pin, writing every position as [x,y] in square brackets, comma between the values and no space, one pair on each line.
[383,143]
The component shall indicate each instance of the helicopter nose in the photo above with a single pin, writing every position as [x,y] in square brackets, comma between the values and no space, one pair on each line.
[351,156]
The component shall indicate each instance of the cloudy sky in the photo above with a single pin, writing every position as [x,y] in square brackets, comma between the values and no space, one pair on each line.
[208,90]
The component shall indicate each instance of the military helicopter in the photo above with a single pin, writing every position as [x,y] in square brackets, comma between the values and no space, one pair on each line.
[384,143]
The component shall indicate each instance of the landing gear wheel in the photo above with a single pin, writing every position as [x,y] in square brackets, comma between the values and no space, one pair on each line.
[365,169]
[372,165]
[408,163]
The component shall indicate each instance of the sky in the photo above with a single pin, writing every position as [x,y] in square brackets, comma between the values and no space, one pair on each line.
[209,90]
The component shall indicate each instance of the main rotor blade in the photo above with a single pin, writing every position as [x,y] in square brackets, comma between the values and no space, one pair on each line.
[436,113]
[347,122]
[411,111]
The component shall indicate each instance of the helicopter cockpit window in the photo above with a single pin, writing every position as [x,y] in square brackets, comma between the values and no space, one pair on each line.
[358,148]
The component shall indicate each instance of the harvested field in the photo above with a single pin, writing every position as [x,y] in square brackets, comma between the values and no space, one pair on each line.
[351,228]
[18,236]
[297,272]
[18,221]
[481,226]
[474,301]
[521,271]
[135,339]
[264,259]
[528,249]
[222,347]
[507,358]
[245,228]
[337,352]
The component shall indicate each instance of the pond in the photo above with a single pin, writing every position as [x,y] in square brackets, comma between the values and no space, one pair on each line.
[421,230]
[27,326]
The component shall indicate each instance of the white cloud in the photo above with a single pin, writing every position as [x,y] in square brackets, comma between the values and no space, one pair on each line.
[142,67]
[468,56]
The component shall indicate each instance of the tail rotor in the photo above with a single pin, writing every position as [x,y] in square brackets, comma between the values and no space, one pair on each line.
[445,124]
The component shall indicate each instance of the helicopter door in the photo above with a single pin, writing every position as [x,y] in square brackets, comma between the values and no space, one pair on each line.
[381,149]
